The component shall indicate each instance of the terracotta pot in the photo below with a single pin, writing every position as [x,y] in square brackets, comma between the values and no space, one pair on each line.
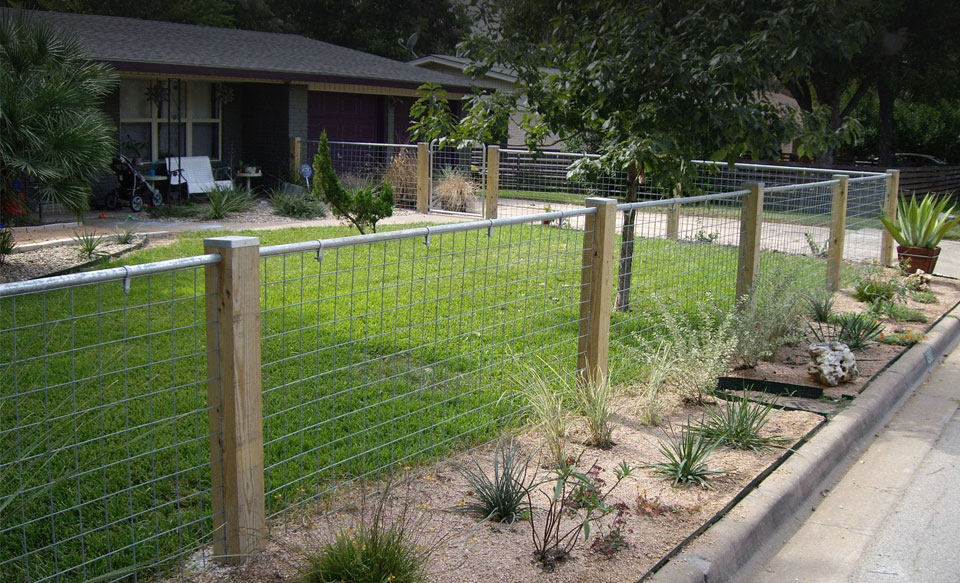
[914,258]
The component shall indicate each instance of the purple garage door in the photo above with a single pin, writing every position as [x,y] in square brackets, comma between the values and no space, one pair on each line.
[346,117]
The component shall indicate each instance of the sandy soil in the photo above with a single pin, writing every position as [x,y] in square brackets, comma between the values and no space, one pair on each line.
[657,515]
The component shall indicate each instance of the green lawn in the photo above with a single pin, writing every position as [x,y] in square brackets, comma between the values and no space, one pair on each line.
[390,353]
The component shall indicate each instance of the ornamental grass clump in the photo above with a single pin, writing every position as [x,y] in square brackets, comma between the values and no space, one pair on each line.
[377,550]
[593,396]
[546,394]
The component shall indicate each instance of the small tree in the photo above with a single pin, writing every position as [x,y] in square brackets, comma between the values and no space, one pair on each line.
[363,207]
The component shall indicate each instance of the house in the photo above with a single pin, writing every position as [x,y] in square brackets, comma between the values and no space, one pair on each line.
[239,95]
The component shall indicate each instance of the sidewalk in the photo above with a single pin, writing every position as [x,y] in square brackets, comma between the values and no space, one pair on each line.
[896,510]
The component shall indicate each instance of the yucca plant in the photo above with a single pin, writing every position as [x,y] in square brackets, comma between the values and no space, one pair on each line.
[922,224]
[686,457]
[124,237]
[503,496]
[89,244]
[738,424]
[225,201]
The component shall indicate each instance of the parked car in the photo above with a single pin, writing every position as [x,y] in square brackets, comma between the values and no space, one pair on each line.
[906,159]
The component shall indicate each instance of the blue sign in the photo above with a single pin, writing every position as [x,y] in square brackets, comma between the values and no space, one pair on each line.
[306,171]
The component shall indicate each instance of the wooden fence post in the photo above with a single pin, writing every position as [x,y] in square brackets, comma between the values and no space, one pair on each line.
[751,228]
[673,216]
[493,182]
[838,226]
[423,177]
[596,286]
[890,209]
[296,153]
[234,397]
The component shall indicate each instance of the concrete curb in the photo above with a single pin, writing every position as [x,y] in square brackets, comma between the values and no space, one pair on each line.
[718,554]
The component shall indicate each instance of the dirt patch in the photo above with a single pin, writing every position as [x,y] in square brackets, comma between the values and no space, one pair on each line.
[658,516]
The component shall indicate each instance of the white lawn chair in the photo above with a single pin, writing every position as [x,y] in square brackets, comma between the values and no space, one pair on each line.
[196,172]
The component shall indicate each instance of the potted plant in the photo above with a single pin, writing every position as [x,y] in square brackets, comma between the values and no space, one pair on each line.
[918,229]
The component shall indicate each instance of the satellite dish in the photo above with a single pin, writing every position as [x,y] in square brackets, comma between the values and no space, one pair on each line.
[410,43]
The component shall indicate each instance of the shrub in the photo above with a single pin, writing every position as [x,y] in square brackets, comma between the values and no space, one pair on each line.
[89,244]
[7,246]
[820,305]
[124,237]
[702,344]
[872,286]
[906,338]
[770,316]
[897,311]
[503,497]
[296,206]
[545,392]
[225,201]
[554,537]
[455,191]
[738,424]
[592,398]
[377,551]
[686,455]
[924,297]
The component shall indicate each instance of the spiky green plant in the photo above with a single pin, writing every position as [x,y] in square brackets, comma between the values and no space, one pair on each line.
[7,246]
[820,305]
[856,330]
[225,201]
[922,224]
[55,134]
[501,497]
[686,457]
[124,237]
[738,424]
[88,243]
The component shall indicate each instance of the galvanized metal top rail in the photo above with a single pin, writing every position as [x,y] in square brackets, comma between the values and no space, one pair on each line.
[354,240]
[789,187]
[685,200]
[749,166]
[363,144]
[124,274]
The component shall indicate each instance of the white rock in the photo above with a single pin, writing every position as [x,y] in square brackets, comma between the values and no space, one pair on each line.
[832,363]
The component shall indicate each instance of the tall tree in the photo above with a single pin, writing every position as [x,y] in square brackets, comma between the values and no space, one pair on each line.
[653,84]
[54,135]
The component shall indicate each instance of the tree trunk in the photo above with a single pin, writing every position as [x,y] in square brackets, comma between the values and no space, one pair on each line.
[625,265]
[885,139]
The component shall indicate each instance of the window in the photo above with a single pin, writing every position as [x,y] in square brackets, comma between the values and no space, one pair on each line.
[149,131]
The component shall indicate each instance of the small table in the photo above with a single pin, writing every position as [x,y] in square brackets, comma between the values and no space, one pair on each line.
[248,176]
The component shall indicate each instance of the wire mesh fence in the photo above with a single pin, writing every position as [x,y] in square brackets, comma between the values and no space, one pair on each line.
[358,163]
[393,352]
[104,431]
[458,179]
[864,232]
[536,182]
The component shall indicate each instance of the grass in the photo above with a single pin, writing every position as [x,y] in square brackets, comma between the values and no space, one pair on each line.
[389,353]
[551,197]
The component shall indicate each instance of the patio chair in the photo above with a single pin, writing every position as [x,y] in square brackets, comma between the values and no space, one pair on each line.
[196,172]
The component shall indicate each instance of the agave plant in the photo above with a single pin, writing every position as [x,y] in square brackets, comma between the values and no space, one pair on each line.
[921,224]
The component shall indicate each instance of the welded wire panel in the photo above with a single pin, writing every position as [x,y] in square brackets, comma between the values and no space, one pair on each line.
[396,352]
[536,182]
[794,238]
[358,164]
[104,431]
[720,176]
[458,179]
[865,197]
[682,255]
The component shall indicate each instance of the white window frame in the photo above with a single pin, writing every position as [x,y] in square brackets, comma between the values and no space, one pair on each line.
[154,120]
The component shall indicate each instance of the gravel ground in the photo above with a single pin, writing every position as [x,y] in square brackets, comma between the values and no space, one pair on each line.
[47,260]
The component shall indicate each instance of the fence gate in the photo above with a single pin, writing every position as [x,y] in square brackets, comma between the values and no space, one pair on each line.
[458,179]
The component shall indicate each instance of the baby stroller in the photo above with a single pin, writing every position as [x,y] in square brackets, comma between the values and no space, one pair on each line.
[132,187]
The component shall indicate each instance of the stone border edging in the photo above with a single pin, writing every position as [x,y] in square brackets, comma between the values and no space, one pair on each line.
[724,549]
